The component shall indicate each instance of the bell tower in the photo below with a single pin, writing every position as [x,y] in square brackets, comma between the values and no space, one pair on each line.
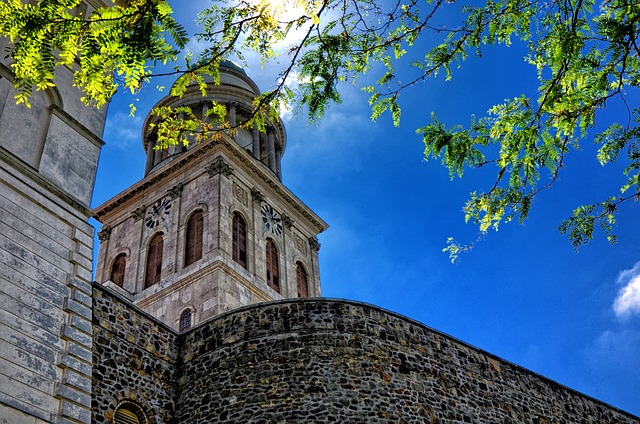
[210,227]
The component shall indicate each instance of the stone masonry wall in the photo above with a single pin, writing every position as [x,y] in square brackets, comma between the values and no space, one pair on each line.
[45,304]
[320,360]
[134,359]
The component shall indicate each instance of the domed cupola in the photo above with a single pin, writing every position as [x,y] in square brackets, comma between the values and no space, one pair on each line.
[237,92]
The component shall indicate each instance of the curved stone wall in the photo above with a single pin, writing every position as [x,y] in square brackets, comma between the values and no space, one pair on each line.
[320,360]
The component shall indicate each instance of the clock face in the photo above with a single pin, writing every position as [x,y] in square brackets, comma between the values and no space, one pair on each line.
[158,212]
[271,222]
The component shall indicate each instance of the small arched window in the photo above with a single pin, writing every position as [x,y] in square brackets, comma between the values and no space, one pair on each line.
[273,266]
[117,269]
[185,320]
[154,261]
[193,239]
[239,247]
[129,413]
[302,280]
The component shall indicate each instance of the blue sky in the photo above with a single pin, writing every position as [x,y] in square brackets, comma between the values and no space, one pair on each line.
[522,293]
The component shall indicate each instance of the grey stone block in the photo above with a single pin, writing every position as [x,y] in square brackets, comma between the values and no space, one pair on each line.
[75,412]
[77,307]
[80,367]
[82,285]
[81,297]
[79,351]
[70,333]
[81,323]
[73,395]
[80,382]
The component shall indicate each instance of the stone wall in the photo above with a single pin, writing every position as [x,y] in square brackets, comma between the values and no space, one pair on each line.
[320,360]
[45,303]
[134,359]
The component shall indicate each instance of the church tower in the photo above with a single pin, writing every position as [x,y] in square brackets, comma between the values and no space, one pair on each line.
[210,227]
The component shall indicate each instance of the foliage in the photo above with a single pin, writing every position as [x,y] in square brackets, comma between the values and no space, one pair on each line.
[584,58]
[113,46]
[585,55]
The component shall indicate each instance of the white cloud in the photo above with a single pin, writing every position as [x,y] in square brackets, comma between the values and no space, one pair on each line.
[628,300]
[123,131]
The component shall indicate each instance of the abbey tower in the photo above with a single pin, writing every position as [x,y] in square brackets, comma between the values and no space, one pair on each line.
[211,227]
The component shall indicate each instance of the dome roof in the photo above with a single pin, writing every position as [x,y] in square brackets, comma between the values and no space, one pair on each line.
[231,74]
[237,91]
[231,65]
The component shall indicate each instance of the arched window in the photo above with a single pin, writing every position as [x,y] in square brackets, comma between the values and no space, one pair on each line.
[154,261]
[117,269]
[302,280]
[185,320]
[129,413]
[193,239]
[273,266]
[239,240]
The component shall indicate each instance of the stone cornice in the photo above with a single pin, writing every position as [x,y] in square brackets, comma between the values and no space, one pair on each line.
[44,183]
[209,148]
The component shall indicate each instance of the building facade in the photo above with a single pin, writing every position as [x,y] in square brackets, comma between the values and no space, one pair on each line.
[48,159]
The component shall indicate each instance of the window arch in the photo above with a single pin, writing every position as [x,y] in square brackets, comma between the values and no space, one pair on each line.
[185,320]
[302,280]
[273,266]
[193,238]
[154,261]
[129,413]
[239,236]
[117,269]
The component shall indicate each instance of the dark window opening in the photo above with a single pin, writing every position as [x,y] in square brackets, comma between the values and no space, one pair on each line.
[185,320]
[154,261]
[273,266]
[239,248]
[117,269]
[129,413]
[302,280]
[193,239]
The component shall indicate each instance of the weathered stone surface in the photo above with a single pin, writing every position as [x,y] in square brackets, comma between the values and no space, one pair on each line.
[317,360]
[134,359]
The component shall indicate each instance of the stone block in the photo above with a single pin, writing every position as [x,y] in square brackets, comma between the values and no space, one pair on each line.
[69,160]
[75,412]
[9,415]
[80,382]
[81,297]
[81,367]
[73,395]
[77,308]
[82,285]
[76,336]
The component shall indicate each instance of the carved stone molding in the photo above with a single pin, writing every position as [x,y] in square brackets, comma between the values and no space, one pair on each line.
[175,191]
[138,214]
[105,233]
[240,194]
[219,166]
[300,244]
[257,195]
[287,221]
[314,243]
